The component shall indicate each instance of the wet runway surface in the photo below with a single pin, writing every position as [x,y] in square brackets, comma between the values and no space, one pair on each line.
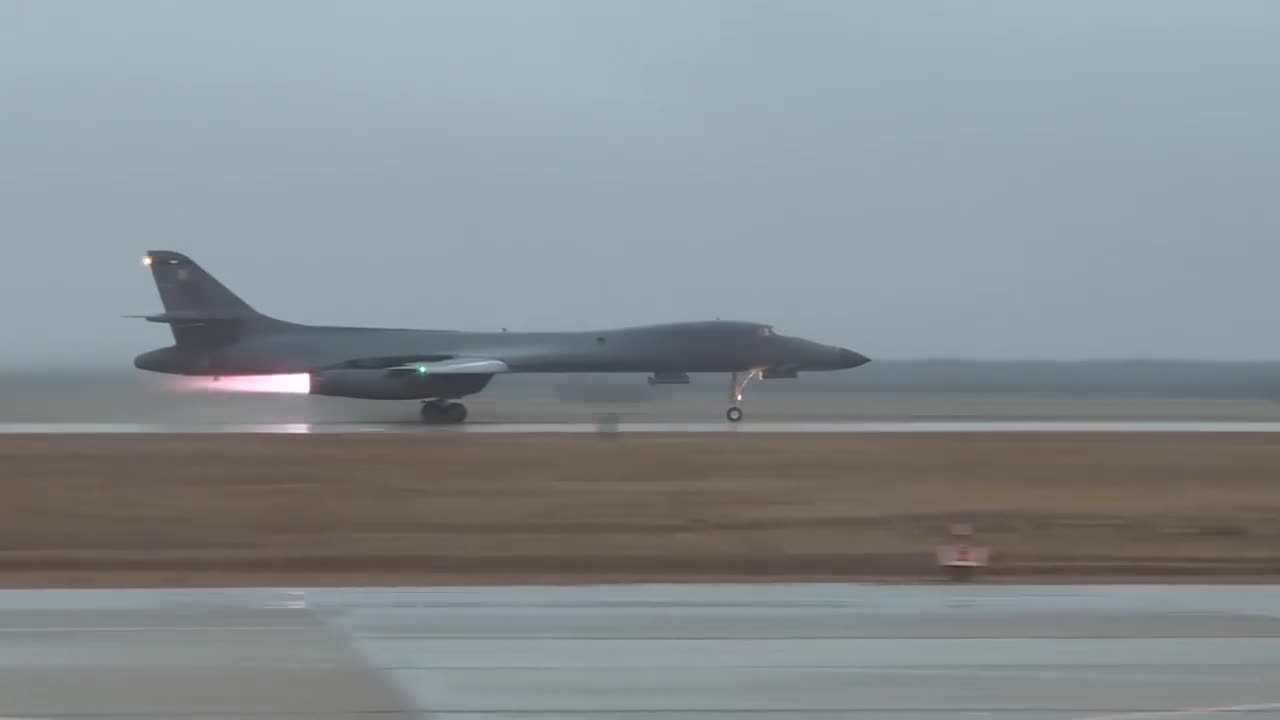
[662,427]
[677,651]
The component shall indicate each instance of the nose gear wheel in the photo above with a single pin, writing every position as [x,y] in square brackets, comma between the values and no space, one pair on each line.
[737,383]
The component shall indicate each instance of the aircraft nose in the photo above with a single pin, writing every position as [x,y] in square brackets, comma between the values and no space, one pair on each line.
[851,359]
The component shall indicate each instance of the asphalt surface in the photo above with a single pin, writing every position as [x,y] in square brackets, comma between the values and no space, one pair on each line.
[683,651]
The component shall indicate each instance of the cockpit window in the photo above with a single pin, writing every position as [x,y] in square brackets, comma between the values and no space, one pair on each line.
[765,331]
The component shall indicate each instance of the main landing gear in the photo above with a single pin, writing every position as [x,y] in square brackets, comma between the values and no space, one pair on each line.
[737,382]
[439,412]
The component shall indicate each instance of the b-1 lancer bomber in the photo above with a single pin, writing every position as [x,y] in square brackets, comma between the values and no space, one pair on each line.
[217,334]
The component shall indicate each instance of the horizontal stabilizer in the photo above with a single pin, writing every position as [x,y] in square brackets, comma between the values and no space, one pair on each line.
[452,366]
[189,316]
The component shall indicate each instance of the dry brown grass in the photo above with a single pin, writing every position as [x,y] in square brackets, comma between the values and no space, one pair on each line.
[336,509]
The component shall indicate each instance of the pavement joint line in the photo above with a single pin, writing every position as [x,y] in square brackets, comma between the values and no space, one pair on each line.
[1188,712]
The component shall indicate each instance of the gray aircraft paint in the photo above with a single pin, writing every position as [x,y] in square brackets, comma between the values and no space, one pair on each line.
[216,333]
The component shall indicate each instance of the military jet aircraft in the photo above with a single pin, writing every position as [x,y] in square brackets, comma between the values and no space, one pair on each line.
[217,334]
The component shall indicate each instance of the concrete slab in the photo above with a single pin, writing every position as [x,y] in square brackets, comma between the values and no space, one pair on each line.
[184,662]
[680,651]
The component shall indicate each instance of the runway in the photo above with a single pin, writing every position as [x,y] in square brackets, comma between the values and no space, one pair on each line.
[44,428]
[656,651]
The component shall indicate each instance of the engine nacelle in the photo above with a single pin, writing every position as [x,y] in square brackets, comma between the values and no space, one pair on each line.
[669,378]
[775,373]
[381,385]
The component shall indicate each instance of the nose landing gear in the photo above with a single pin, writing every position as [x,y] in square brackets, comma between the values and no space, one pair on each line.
[439,412]
[737,383]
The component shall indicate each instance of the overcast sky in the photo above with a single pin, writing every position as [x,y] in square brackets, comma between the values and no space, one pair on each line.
[980,179]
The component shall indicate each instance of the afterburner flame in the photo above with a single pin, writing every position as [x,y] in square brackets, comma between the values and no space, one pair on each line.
[280,384]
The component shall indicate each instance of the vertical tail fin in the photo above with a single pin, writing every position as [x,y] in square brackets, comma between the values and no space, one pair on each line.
[185,287]
[199,309]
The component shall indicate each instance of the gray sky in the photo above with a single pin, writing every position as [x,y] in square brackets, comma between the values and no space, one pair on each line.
[977,179]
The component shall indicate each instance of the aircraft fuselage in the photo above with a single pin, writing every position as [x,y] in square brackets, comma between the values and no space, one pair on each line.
[713,346]
[217,334]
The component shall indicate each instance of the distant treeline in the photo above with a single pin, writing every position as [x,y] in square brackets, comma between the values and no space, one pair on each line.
[1123,379]
[1136,378]
[971,378]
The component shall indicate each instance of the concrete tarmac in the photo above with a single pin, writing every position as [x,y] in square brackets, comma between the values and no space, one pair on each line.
[904,426]
[650,651]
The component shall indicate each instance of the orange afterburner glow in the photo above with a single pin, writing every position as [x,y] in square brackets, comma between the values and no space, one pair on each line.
[279,384]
